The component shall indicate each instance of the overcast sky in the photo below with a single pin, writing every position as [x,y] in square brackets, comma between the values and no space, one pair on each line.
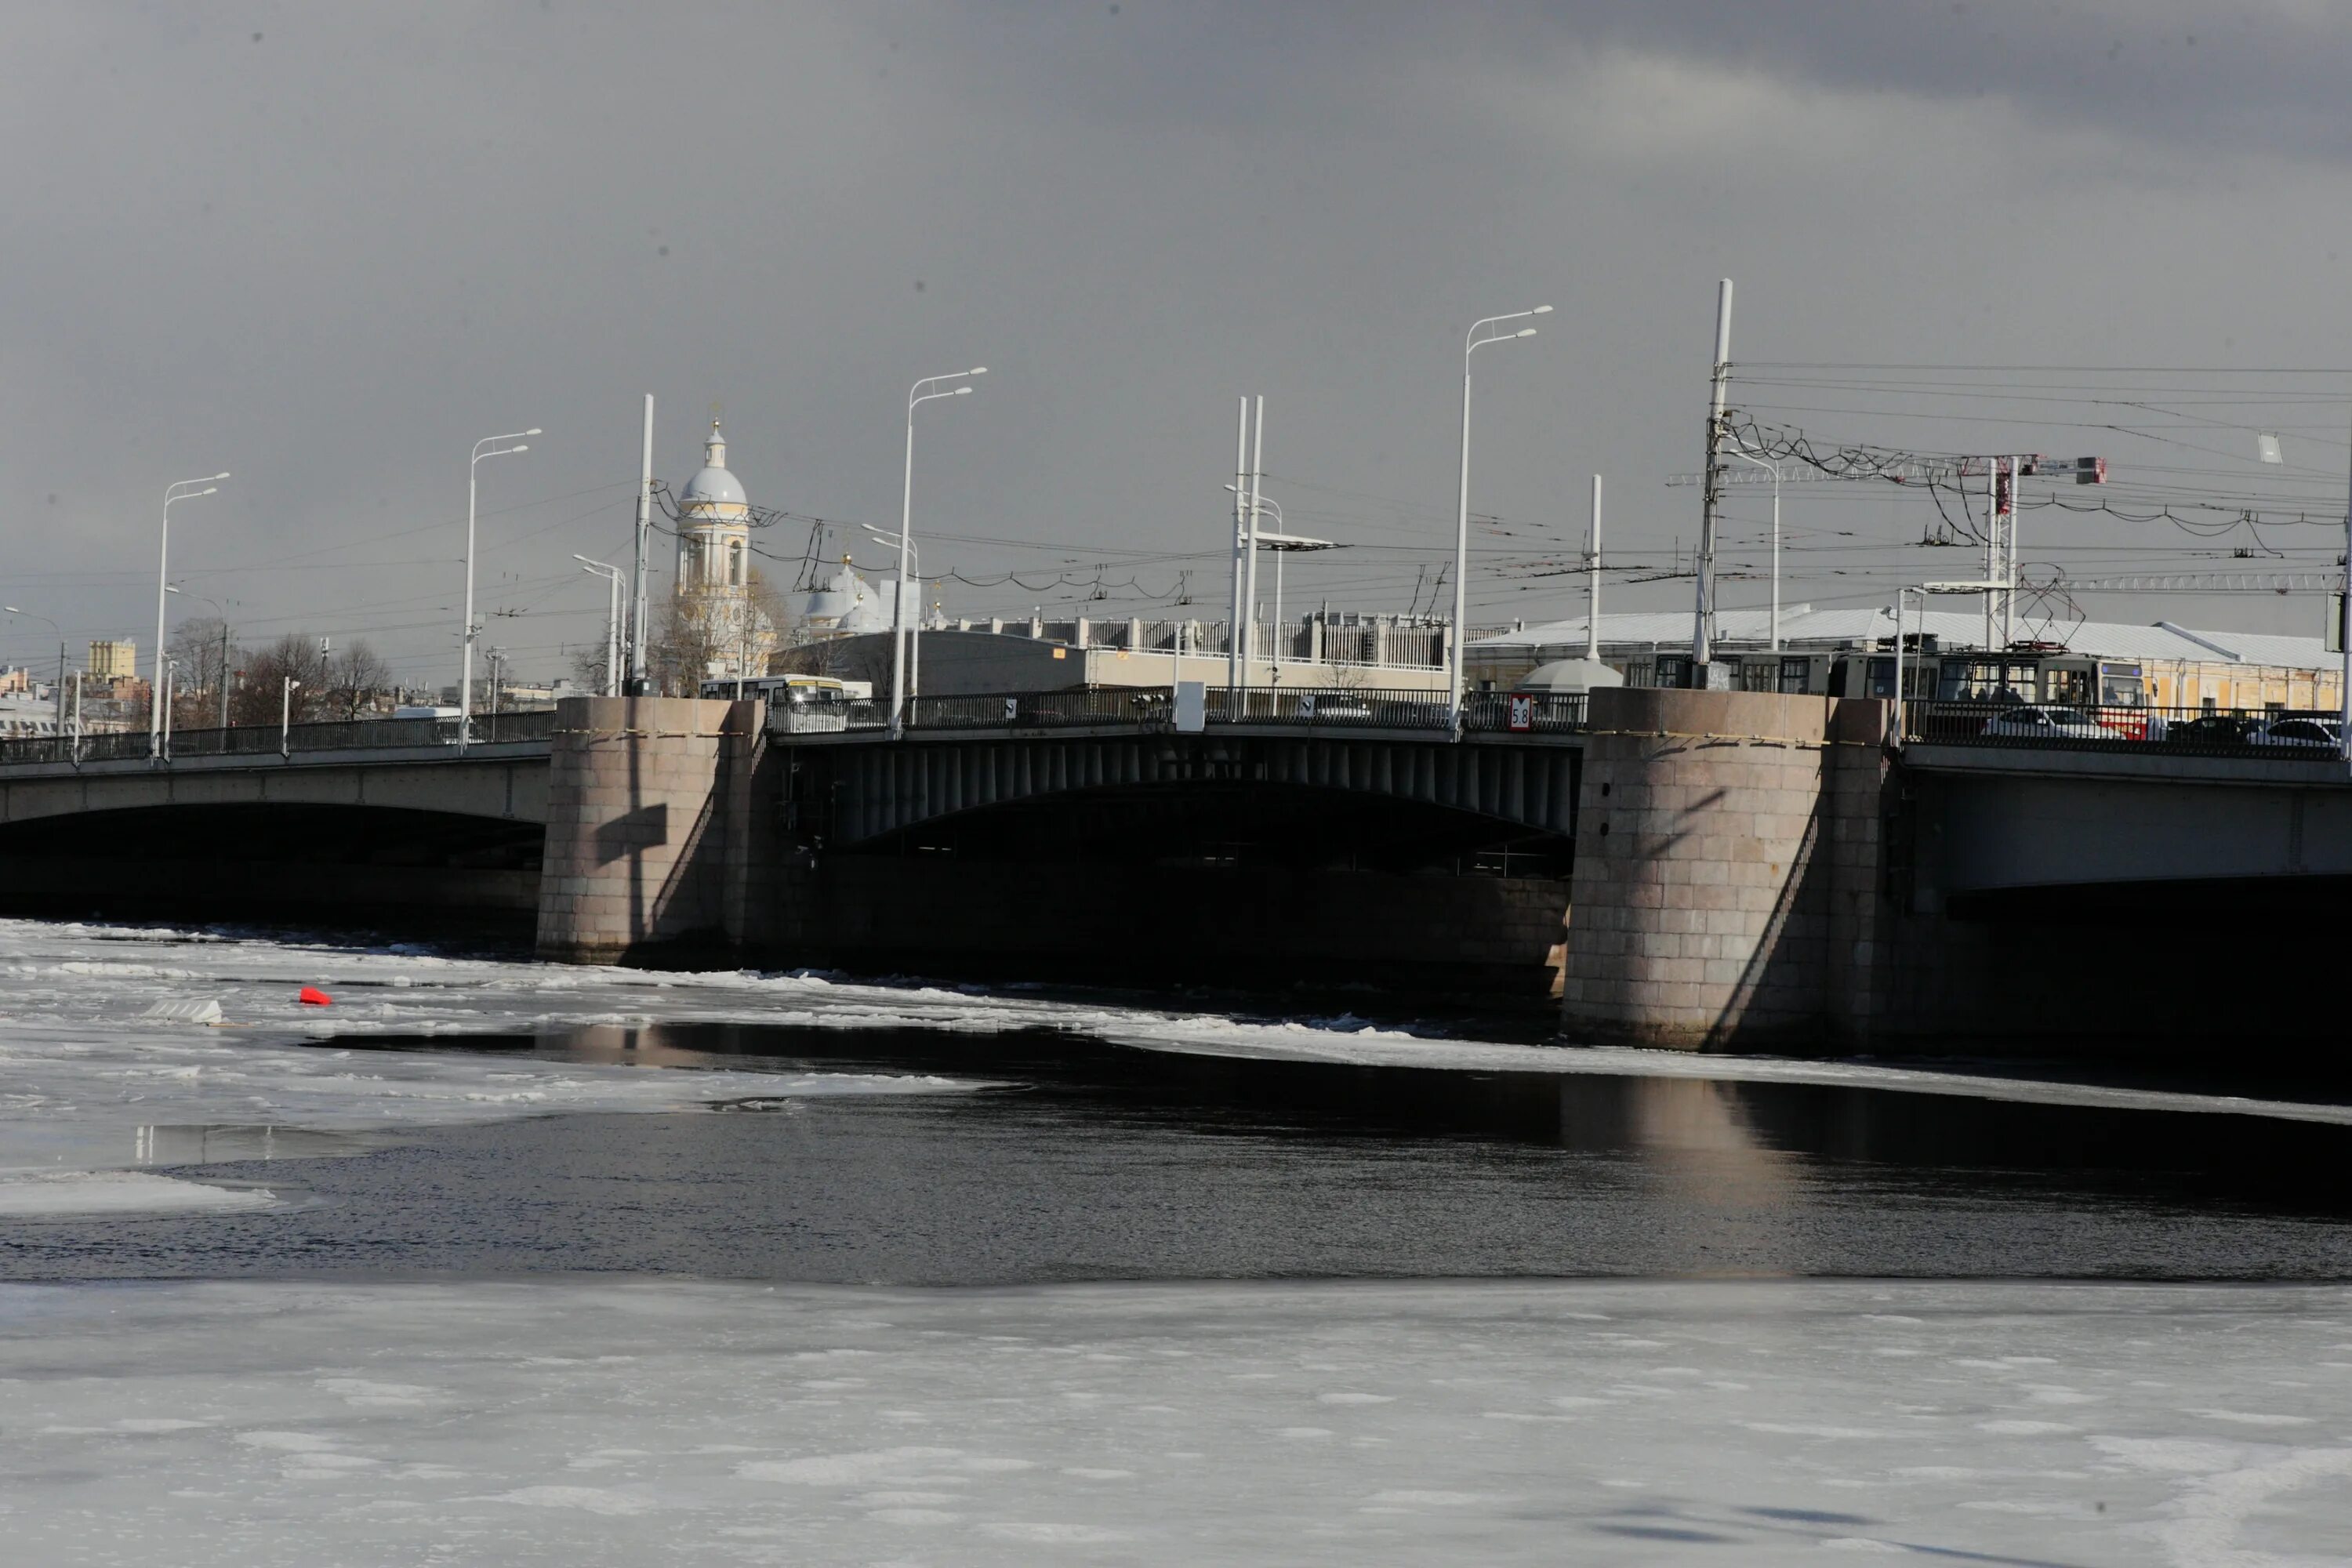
[327,248]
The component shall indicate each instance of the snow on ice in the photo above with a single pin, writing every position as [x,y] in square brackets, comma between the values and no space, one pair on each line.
[685,1422]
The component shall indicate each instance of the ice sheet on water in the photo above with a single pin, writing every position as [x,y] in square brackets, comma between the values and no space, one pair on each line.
[57,1194]
[1626,1422]
[72,989]
[91,1048]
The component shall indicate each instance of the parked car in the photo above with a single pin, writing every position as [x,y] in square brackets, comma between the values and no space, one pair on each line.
[2042,721]
[2314,734]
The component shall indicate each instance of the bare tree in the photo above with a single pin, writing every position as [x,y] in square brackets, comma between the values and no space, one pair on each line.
[354,677]
[260,687]
[205,660]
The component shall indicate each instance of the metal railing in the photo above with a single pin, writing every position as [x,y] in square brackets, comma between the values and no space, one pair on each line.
[268,740]
[1153,709]
[2082,726]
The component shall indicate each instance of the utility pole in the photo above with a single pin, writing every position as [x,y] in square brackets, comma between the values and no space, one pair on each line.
[1592,590]
[2343,625]
[1235,673]
[1702,626]
[1249,591]
[224,673]
[637,684]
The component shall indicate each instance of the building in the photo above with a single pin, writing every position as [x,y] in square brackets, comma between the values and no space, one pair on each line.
[109,661]
[1851,653]
[1323,652]
[716,614]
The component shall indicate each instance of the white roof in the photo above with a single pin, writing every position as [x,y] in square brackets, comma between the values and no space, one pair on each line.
[1810,629]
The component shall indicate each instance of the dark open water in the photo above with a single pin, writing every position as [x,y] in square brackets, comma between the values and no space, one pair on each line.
[1096,1162]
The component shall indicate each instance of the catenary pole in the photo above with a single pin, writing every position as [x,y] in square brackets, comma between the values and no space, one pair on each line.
[2343,636]
[1234,670]
[636,686]
[1249,591]
[1593,581]
[1702,626]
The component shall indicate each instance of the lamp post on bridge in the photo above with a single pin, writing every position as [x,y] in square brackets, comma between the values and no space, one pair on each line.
[611,575]
[466,667]
[177,490]
[900,634]
[1471,343]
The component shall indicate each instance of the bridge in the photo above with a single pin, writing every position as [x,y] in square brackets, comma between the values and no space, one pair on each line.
[1689,868]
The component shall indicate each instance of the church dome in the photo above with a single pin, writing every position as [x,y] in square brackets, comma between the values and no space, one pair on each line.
[714,487]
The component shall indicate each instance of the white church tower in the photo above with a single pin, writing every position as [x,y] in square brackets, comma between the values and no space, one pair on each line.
[714,534]
[714,599]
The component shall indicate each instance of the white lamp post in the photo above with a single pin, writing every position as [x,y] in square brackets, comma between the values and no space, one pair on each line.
[611,575]
[466,666]
[286,719]
[178,490]
[900,652]
[908,551]
[1774,470]
[1471,343]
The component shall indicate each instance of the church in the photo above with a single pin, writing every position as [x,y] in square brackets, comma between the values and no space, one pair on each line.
[717,619]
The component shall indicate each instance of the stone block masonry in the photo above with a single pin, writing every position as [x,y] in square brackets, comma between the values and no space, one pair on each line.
[640,809]
[1726,892]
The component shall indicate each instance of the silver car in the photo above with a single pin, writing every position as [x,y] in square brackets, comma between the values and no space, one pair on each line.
[2044,722]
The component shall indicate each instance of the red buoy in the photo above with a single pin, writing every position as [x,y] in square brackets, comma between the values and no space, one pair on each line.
[313,997]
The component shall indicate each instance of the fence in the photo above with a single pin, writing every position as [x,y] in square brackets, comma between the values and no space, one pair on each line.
[268,740]
[2185,731]
[1153,708]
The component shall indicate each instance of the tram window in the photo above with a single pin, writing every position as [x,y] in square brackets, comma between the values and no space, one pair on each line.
[1674,671]
[2068,686]
[2120,686]
[1882,678]
[1796,674]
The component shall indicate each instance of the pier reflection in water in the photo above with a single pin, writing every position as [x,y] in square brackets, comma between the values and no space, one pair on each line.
[1089,1159]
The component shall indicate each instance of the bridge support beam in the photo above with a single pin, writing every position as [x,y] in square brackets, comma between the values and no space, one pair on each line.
[641,808]
[1726,890]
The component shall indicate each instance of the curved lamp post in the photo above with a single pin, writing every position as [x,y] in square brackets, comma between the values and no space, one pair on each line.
[1471,344]
[177,490]
[900,631]
[466,666]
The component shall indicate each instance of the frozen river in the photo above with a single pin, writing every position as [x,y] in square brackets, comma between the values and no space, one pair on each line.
[496,1262]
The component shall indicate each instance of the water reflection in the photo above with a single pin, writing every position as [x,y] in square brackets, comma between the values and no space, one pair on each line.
[1724,1143]
[215,1143]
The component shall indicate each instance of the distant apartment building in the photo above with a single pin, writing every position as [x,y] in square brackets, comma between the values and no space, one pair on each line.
[16,683]
[112,661]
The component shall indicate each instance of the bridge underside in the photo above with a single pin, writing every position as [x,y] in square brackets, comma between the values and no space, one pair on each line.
[339,864]
[1322,867]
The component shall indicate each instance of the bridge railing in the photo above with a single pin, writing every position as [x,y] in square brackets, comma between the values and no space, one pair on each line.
[1153,708]
[2099,727]
[268,740]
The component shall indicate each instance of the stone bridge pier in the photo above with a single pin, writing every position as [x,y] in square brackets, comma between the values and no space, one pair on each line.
[655,837]
[1727,885]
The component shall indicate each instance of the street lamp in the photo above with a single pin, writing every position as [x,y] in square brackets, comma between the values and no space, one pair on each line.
[286,719]
[1471,344]
[899,651]
[1774,470]
[612,574]
[909,551]
[61,659]
[466,666]
[1278,544]
[177,490]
